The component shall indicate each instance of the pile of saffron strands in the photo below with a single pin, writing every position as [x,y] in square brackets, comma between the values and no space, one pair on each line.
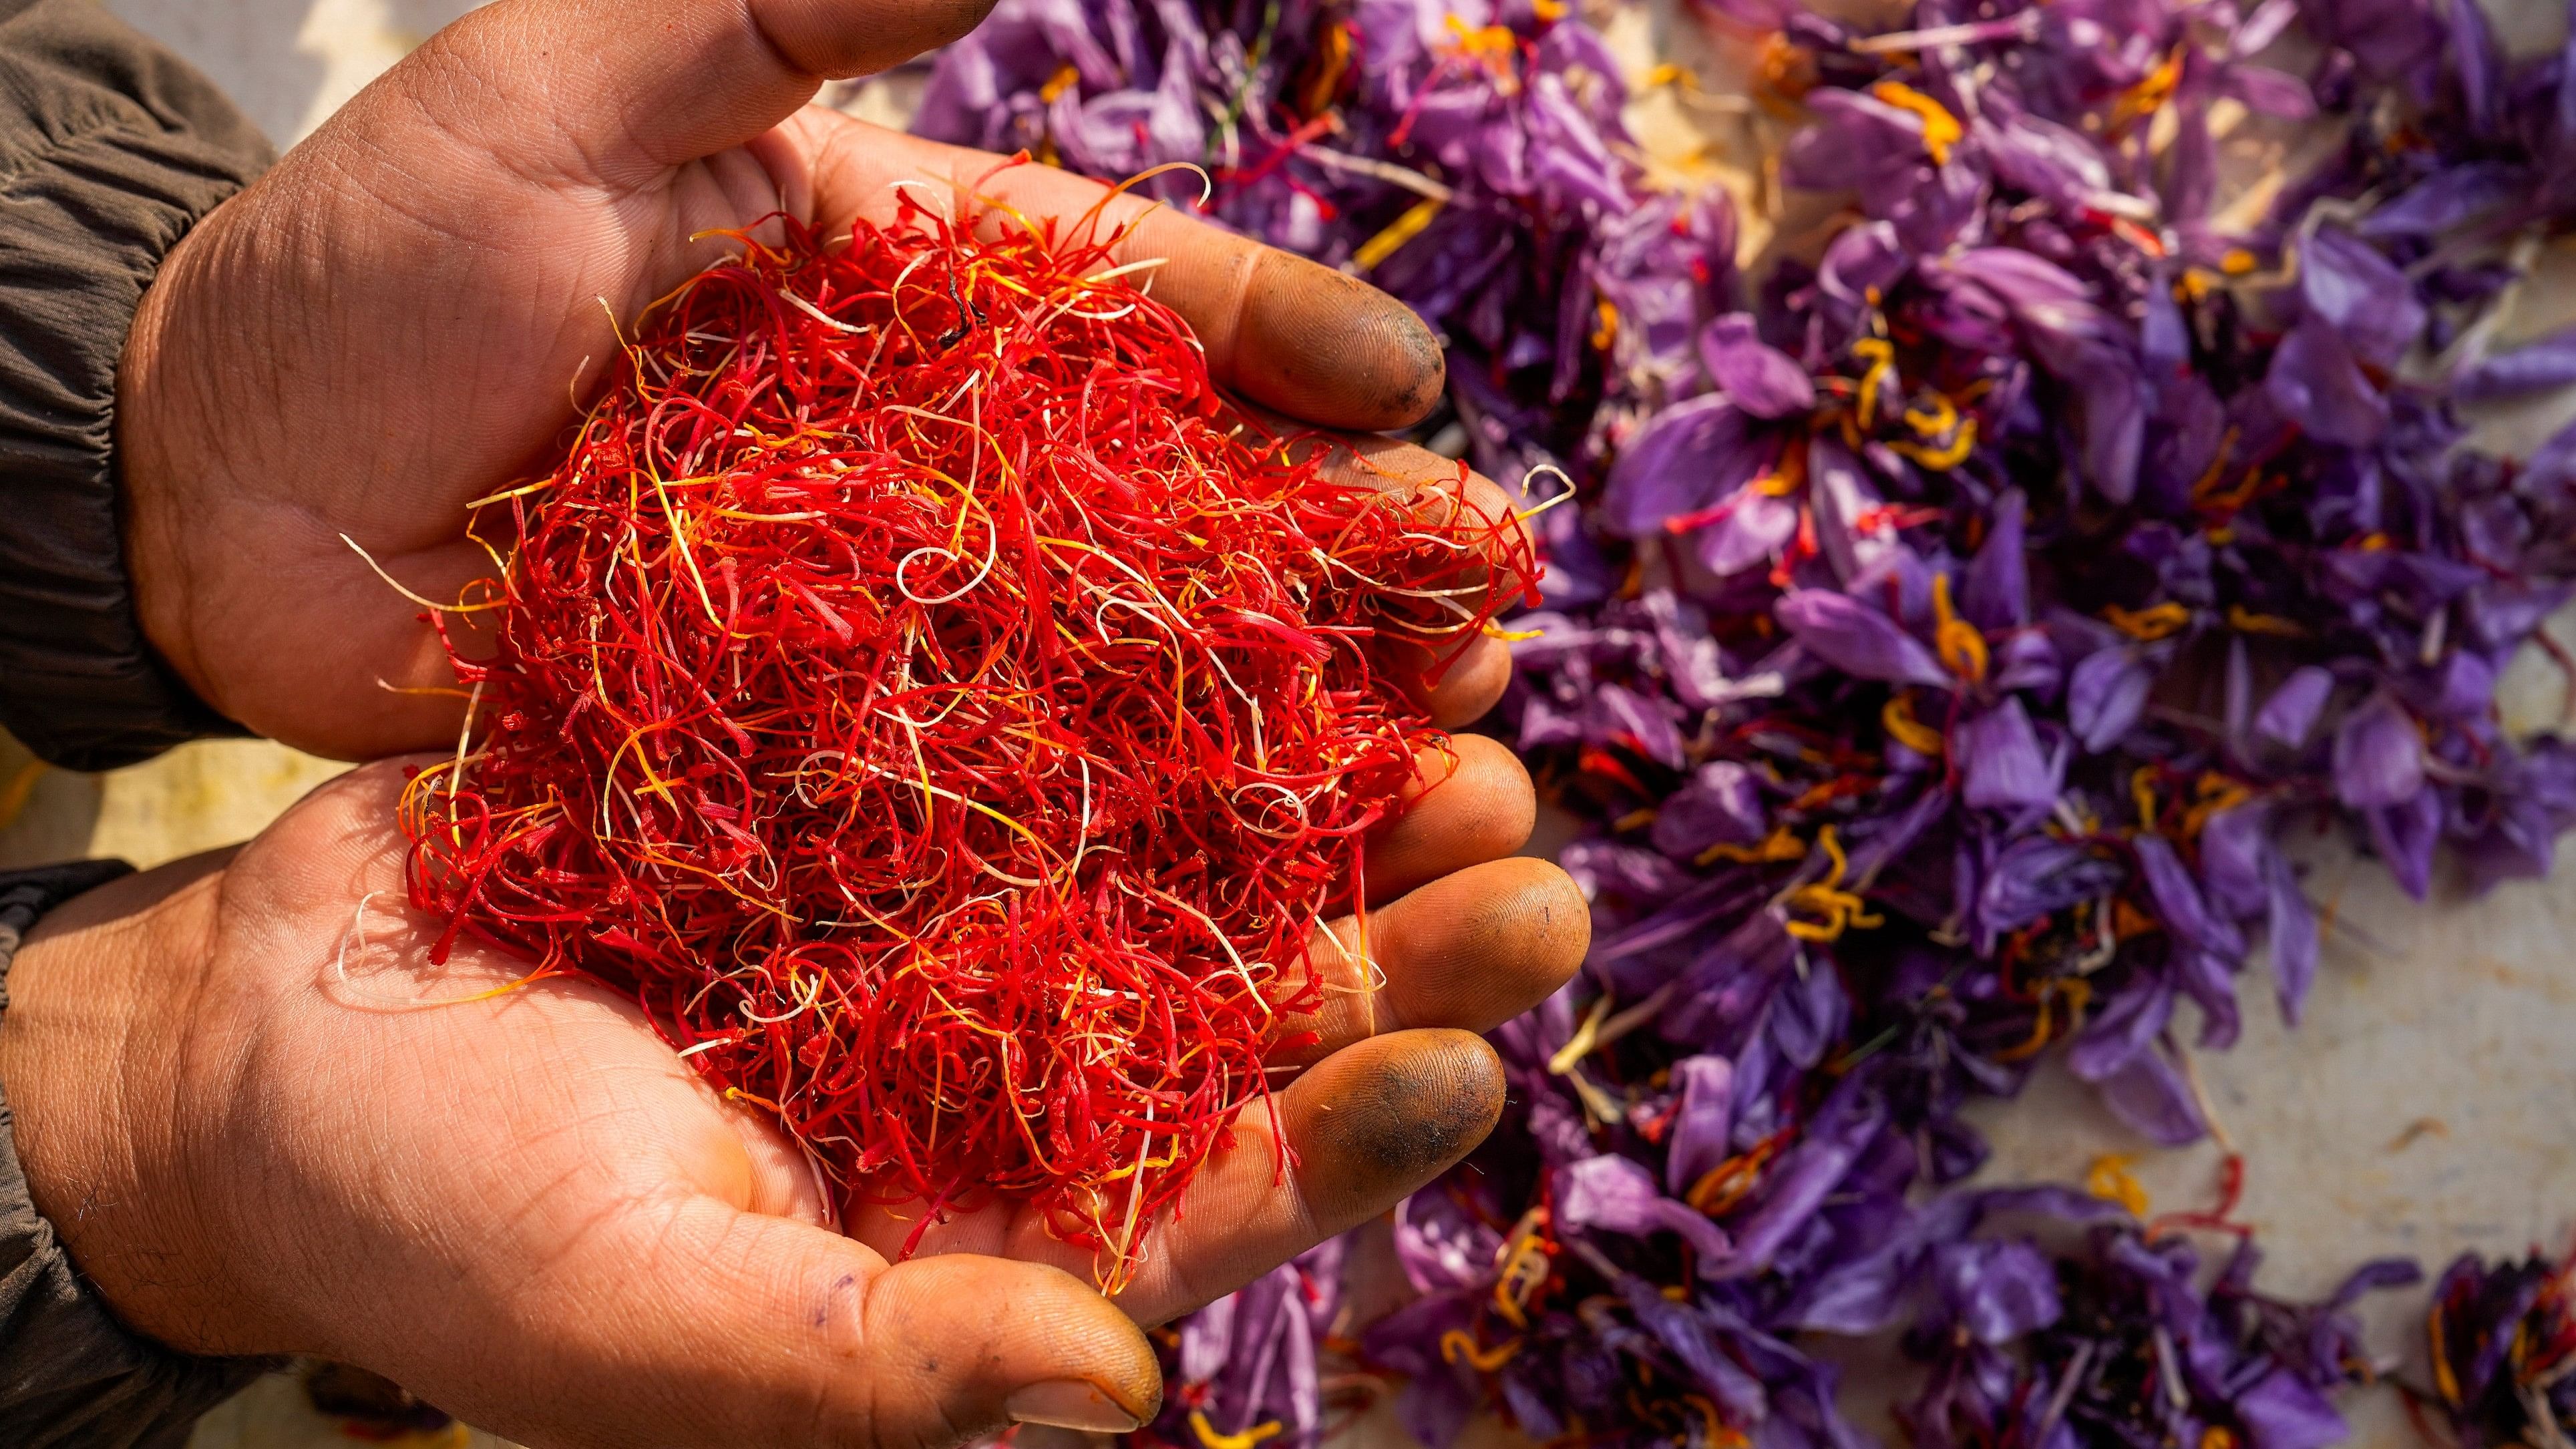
[944,716]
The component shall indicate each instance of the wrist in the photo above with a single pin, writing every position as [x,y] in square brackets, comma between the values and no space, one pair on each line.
[148,380]
[97,1048]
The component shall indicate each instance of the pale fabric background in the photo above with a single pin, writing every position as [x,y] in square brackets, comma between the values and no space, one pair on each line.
[2428,1103]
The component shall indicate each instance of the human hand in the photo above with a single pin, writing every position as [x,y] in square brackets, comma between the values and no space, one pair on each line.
[396,319]
[262,1122]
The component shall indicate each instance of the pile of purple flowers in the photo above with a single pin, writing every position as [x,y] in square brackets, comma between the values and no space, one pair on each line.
[2503,1342]
[1953,624]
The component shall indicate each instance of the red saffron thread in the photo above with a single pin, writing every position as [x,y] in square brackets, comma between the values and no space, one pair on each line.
[945,716]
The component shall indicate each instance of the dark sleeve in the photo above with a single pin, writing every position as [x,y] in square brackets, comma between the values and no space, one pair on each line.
[110,149]
[70,1374]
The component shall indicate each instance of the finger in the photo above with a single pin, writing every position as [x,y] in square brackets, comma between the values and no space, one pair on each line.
[617,93]
[1468,804]
[1313,343]
[1368,1126]
[1364,1128]
[1455,683]
[701,1324]
[1470,950]
[1456,677]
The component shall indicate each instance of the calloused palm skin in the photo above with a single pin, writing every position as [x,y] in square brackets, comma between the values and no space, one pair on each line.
[263,1123]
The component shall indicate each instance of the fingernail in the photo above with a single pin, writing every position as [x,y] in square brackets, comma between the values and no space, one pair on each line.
[1069,1404]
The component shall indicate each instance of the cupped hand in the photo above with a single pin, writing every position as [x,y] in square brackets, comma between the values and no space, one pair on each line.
[402,316]
[263,1123]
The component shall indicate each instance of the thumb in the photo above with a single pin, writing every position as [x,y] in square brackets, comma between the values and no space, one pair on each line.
[716,1327]
[627,90]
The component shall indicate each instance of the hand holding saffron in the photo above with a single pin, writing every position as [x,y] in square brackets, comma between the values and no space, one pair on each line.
[263,1123]
[400,317]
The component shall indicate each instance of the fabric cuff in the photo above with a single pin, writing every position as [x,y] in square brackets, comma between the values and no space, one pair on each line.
[112,151]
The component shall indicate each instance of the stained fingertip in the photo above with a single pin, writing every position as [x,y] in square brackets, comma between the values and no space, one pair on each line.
[1326,347]
[1377,1120]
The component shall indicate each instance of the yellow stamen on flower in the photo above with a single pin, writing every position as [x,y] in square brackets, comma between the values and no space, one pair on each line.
[2148,625]
[1525,1268]
[1941,130]
[1549,10]
[2142,791]
[1962,648]
[2207,482]
[2236,262]
[1457,1347]
[1946,457]
[1490,41]
[1208,1435]
[1841,909]
[1330,66]
[1579,1045]
[1897,718]
[2109,1179]
[2445,1381]
[2149,96]
[1934,420]
[1732,1181]
[1606,330]
[1881,356]
[1778,846]
[1403,229]
[1065,78]
[2245,621]
[2217,793]
[2076,993]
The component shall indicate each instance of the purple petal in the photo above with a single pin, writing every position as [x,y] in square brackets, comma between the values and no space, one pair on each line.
[2347,283]
[1691,455]
[1758,526]
[1997,595]
[2125,1027]
[2235,851]
[2378,756]
[1999,1291]
[2405,836]
[1618,1195]
[1721,805]
[2178,899]
[2316,383]
[1700,1127]
[1857,639]
[2006,768]
[2150,1095]
[2106,695]
[2291,712]
[2281,1411]
[2535,367]
[1763,380]
[2450,198]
